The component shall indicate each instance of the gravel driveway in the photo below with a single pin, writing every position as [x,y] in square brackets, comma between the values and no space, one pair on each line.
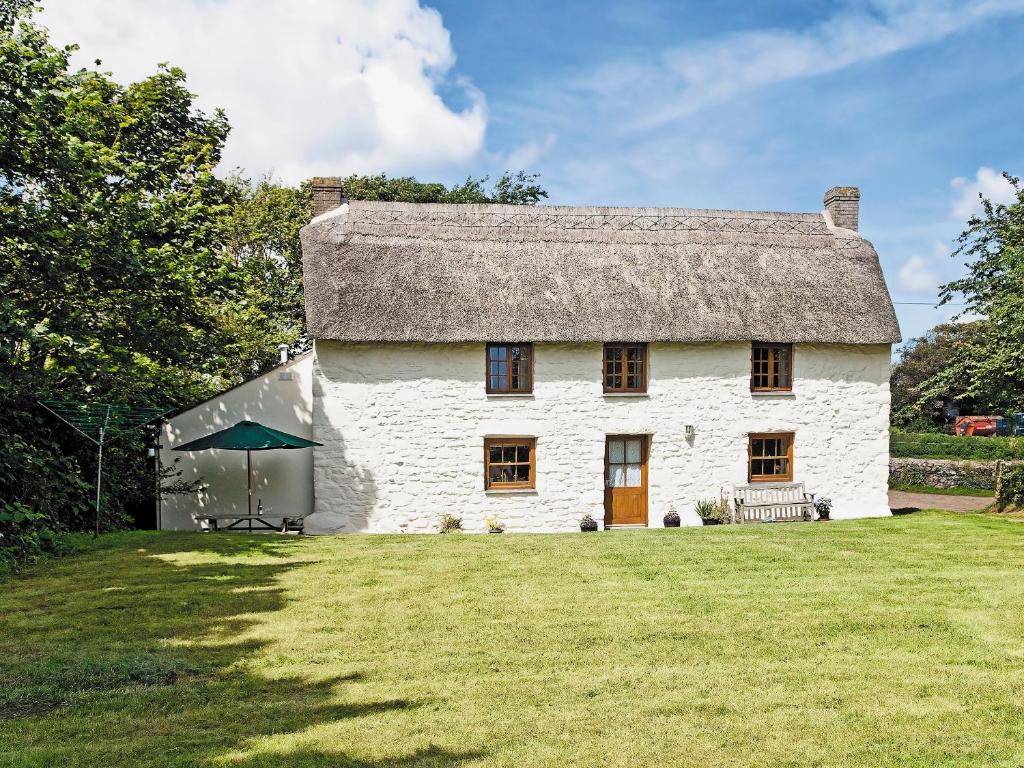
[904,500]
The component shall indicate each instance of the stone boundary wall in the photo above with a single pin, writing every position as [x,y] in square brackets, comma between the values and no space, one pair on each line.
[946,473]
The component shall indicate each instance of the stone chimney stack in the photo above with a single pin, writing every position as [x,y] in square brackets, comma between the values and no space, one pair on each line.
[327,194]
[843,205]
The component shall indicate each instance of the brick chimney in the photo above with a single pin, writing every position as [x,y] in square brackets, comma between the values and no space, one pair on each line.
[843,205]
[327,194]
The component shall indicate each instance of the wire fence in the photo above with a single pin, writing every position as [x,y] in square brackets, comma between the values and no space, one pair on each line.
[922,445]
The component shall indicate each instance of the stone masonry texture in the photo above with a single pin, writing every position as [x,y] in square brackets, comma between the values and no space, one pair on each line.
[403,428]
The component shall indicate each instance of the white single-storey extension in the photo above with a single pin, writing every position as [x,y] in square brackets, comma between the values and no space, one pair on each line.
[536,364]
[282,481]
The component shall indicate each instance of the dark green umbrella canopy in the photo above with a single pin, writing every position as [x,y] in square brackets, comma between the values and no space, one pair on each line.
[248,436]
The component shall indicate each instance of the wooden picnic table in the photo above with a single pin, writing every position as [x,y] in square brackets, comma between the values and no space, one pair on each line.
[288,523]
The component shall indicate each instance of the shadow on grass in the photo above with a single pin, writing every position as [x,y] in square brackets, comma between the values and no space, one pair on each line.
[132,654]
[432,757]
[898,512]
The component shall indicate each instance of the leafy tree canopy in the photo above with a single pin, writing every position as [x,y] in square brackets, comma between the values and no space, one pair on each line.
[130,272]
[519,188]
[917,397]
[980,364]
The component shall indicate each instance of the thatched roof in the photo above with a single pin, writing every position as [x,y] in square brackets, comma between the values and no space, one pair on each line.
[379,271]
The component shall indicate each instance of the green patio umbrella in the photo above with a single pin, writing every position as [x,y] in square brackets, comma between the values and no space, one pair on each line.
[248,436]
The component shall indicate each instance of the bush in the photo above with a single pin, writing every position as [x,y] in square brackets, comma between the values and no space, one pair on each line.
[25,536]
[1011,488]
[449,523]
[930,445]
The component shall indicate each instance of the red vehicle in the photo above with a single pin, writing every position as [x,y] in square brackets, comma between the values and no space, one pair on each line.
[979,426]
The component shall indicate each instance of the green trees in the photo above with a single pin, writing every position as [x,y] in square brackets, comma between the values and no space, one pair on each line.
[923,379]
[981,363]
[992,365]
[111,262]
[130,272]
[518,188]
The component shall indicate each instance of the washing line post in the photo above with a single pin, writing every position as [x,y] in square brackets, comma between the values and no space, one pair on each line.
[99,471]
[99,484]
[107,420]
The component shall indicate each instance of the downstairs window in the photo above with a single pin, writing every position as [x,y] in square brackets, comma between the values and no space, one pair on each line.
[770,457]
[510,462]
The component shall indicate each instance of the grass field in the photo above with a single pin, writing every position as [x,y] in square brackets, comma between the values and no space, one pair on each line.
[868,643]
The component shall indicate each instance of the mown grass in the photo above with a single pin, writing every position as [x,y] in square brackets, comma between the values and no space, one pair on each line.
[868,643]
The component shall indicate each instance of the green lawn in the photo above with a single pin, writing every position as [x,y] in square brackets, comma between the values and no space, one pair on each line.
[868,643]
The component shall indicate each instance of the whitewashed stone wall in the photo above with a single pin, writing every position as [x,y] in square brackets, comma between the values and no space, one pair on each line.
[403,427]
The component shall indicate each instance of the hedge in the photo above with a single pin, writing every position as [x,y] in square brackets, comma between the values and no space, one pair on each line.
[929,445]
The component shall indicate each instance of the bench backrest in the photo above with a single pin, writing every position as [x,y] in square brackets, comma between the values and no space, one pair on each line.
[769,493]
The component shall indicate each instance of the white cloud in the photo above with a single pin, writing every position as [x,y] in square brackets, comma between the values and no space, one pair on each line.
[526,156]
[917,276]
[683,80]
[310,87]
[988,184]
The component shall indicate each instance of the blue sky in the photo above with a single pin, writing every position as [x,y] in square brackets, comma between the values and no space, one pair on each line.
[695,104]
[901,125]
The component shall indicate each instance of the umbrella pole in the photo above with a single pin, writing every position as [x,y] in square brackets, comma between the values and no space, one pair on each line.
[248,477]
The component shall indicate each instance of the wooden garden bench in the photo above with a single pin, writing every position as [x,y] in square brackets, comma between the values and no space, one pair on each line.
[772,502]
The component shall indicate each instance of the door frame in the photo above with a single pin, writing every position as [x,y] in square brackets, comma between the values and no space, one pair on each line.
[645,453]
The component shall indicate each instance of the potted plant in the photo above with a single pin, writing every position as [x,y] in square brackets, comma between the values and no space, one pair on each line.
[587,523]
[709,511]
[671,519]
[448,523]
[494,525]
[823,507]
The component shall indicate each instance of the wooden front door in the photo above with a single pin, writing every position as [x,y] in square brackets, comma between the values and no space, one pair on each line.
[625,480]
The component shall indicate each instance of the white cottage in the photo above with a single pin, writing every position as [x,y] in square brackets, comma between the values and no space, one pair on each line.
[541,363]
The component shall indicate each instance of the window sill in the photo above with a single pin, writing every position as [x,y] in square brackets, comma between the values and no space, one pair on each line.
[782,394]
[634,395]
[511,491]
[510,395]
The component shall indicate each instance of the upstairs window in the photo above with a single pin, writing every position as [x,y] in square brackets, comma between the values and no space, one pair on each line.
[510,462]
[771,367]
[770,457]
[509,369]
[625,368]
